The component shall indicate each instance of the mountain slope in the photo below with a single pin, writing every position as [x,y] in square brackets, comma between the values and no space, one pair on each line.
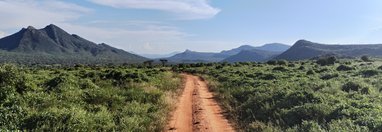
[53,42]
[254,55]
[303,49]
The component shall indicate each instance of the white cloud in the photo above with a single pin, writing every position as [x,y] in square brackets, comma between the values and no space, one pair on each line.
[142,37]
[184,9]
[22,13]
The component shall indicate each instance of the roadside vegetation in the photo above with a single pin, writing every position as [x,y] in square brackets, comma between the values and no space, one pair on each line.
[84,98]
[315,95]
[326,94]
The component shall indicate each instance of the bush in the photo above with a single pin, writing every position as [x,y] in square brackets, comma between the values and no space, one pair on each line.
[280,68]
[308,126]
[328,76]
[268,77]
[365,58]
[272,62]
[282,62]
[258,126]
[301,68]
[352,86]
[344,68]
[291,65]
[346,125]
[310,72]
[369,73]
[327,61]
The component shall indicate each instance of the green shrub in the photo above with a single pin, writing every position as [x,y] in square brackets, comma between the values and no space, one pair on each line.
[327,61]
[301,68]
[262,127]
[268,77]
[344,68]
[310,72]
[282,62]
[352,86]
[329,76]
[365,58]
[272,62]
[369,73]
[280,68]
[307,126]
[345,125]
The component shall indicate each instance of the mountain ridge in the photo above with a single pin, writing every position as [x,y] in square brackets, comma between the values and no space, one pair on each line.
[54,42]
[304,49]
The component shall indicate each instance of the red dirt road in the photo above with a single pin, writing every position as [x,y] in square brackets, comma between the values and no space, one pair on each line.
[197,110]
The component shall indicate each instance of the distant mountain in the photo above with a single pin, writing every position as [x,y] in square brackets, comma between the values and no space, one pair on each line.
[156,56]
[189,56]
[237,50]
[54,45]
[234,55]
[254,55]
[276,47]
[303,49]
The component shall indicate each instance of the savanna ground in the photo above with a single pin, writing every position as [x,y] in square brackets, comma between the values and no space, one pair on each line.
[323,95]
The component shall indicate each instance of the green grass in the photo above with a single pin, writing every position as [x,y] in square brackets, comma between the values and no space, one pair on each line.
[86,98]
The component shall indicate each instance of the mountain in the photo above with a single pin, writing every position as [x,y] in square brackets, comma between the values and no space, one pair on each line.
[254,55]
[303,49]
[54,45]
[237,50]
[189,56]
[248,53]
[275,47]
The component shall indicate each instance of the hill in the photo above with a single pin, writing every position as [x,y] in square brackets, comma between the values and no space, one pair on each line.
[275,47]
[303,49]
[189,56]
[54,45]
[254,55]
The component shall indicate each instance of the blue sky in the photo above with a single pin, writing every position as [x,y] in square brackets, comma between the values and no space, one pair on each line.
[164,26]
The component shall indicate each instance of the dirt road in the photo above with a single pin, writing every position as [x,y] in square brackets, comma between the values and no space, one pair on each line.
[197,110]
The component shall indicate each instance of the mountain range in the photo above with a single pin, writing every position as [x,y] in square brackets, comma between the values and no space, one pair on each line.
[304,49]
[52,45]
[241,54]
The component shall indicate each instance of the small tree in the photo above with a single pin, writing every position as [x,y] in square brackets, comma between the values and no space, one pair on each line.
[327,61]
[365,58]
[164,61]
[148,63]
